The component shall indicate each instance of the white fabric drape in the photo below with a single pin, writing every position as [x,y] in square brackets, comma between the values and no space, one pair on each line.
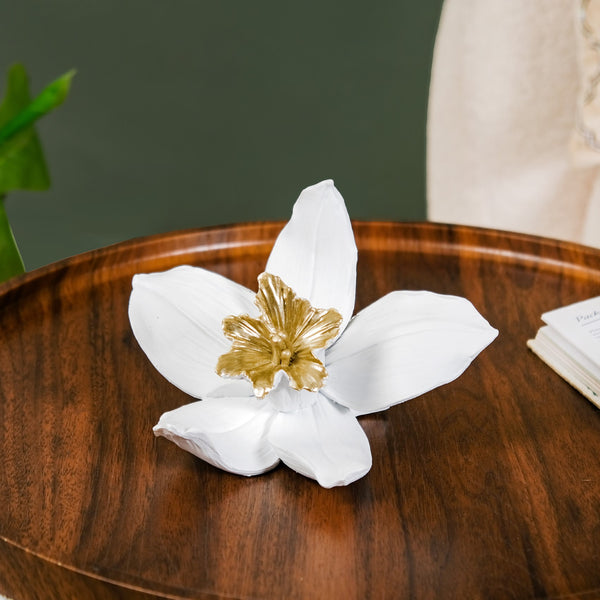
[513,133]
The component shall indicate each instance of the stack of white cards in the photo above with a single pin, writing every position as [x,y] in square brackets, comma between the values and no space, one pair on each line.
[570,344]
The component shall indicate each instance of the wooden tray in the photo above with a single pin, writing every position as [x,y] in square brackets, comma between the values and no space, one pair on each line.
[488,487]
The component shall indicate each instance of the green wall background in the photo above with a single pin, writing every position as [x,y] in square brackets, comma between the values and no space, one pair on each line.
[191,113]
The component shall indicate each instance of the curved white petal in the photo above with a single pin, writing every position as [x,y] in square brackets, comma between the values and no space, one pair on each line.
[229,433]
[176,318]
[402,346]
[324,442]
[315,253]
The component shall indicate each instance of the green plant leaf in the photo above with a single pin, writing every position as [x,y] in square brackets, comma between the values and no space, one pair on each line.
[11,263]
[22,164]
[52,96]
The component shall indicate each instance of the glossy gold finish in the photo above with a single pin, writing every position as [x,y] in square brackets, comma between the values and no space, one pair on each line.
[282,338]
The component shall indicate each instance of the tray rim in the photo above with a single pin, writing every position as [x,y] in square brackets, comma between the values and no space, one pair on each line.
[502,239]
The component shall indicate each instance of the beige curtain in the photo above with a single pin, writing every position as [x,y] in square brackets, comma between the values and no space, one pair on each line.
[513,127]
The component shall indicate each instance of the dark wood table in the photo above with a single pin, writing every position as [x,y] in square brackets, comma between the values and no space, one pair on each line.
[488,487]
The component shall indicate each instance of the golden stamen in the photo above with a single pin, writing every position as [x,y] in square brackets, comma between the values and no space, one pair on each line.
[282,338]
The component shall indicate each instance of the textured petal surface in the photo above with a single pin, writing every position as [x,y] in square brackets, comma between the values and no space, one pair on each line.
[402,346]
[283,338]
[176,318]
[315,253]
[323,441]
[229,433]
[306,372]
[287,314]
[251,354]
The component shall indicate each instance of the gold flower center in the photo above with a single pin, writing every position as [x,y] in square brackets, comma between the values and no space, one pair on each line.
[281,338]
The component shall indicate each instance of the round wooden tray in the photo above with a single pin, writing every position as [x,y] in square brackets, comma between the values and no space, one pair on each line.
[488,487]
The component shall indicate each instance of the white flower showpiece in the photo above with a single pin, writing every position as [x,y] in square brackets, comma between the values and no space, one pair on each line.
[282,374]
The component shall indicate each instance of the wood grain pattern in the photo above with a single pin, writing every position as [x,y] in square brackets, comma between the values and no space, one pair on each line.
[488,487]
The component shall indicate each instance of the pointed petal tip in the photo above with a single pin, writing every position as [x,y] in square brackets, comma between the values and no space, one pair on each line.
[488,333]
[323,191]
[325,183]
[331,480]
[493,333]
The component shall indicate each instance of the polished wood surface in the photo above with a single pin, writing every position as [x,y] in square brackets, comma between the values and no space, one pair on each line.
[488,487]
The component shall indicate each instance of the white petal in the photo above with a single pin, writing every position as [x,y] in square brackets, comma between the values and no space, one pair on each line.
[284,398]
[402,346]
[324,442]
[315,253]
[176,318]
[229,433]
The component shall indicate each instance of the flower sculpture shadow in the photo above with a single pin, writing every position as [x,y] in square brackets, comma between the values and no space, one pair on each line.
[282,374]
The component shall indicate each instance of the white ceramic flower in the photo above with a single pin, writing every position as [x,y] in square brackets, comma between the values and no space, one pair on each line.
[283,373]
